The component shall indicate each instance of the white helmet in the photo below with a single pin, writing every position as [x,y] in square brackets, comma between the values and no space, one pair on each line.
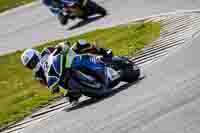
[30,58]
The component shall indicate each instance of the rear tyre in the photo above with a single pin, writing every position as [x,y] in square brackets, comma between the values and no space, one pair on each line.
[93,8]
[101,11]
[62,19]
[131,73]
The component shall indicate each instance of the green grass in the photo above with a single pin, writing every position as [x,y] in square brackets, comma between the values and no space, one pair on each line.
[8,4]
[19,93]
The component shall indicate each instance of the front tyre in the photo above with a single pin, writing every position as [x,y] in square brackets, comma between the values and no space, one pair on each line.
[87,91]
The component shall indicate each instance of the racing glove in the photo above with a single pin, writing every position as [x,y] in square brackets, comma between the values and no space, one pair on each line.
[55,90]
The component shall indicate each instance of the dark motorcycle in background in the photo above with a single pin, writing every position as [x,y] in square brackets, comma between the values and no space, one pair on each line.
[81,9]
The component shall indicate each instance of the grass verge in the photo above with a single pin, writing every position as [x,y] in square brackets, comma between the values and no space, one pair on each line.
[8,4]
[20,94]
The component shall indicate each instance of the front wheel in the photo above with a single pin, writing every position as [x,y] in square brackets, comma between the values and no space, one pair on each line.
[87,91]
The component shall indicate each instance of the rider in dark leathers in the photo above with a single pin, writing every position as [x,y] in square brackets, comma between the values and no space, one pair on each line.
[56,6]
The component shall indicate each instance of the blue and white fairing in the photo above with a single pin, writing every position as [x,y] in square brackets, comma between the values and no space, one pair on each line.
[69,60]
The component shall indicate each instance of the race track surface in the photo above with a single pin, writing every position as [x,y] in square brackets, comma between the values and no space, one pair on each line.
[165,101]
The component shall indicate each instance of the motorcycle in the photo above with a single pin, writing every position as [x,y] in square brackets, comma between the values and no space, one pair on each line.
[117,69]
[76,9]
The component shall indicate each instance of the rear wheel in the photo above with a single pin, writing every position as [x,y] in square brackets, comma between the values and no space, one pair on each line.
[62,19]
[93,8]
[131,73]
[101,10]
[129,70]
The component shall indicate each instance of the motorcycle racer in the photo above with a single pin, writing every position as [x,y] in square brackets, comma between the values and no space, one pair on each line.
[57,6]
[38,62]
[80,47]
[72,9]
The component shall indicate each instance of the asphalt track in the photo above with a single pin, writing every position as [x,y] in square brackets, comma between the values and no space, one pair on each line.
[165,101]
